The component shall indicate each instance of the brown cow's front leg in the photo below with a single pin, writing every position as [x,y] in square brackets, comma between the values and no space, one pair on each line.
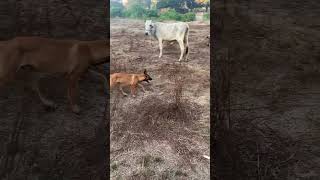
[73,93]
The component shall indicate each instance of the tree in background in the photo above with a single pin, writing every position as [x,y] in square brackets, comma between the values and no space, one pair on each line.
[181,6]
[116,9]
[204,3]
[148,4]
[154,4]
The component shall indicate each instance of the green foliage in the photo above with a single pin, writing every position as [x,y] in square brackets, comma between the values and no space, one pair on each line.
[151,13]
[181,6]
[206,16]
[116,9]
[190,16]
[171,14]
[135,10]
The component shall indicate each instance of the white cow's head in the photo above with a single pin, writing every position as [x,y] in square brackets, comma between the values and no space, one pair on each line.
[149,27]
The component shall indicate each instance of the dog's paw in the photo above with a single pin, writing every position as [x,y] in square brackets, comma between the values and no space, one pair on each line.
[76,109]
[50,108]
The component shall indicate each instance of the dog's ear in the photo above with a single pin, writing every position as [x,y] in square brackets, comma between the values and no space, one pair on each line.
[145,71]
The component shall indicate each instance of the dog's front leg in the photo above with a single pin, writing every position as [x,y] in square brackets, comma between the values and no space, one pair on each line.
[72,91]
[140,85]
[125,94]
[133,88]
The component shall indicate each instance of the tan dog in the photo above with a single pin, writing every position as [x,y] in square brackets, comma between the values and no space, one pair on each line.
[69,57]
[132,80]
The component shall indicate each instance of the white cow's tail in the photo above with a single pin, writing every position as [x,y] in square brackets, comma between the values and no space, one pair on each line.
[186,42]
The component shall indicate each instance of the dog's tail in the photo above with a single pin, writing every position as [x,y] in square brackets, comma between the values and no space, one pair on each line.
[102,77]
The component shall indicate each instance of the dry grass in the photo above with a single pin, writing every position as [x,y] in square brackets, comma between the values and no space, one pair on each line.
[274,86]
[163,133]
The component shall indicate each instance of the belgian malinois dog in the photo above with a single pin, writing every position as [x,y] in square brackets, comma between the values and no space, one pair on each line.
[132,80]
[68,57]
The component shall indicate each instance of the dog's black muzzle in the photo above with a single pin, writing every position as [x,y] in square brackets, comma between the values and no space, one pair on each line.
[147,80]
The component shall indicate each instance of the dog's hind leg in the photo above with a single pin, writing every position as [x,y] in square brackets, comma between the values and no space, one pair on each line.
[125,94]
[73,92]
[105,80]
[44,100]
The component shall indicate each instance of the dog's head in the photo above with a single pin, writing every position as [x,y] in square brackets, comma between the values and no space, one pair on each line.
[147,78]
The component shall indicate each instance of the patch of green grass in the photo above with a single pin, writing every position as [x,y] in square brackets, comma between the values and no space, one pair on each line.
[206,16]
[114,166]
[158,160]
[145,173]
[148,160]
[172,174]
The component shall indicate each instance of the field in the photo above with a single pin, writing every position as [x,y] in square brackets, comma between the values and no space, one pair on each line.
[274,88]
[39,143]
[163,133]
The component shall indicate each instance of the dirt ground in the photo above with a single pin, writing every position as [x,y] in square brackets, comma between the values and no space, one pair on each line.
[37,143]
[164,132]
[274,73]
[47,145]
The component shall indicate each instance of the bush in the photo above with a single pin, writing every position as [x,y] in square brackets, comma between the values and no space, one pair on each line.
[116,12]
[206,16]
[190,16]
[171,14]
[151,13]
[116,9]
[135,10]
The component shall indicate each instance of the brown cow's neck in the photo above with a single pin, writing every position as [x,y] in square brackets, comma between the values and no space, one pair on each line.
[99,50]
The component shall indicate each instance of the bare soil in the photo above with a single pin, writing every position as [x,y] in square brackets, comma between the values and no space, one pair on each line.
[164,132]
[274,74]
[39,143]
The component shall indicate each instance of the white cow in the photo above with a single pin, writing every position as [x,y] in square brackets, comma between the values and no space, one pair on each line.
[170,32]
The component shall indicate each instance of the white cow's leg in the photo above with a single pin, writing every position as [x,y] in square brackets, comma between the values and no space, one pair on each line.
[181,44]
[160,46]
